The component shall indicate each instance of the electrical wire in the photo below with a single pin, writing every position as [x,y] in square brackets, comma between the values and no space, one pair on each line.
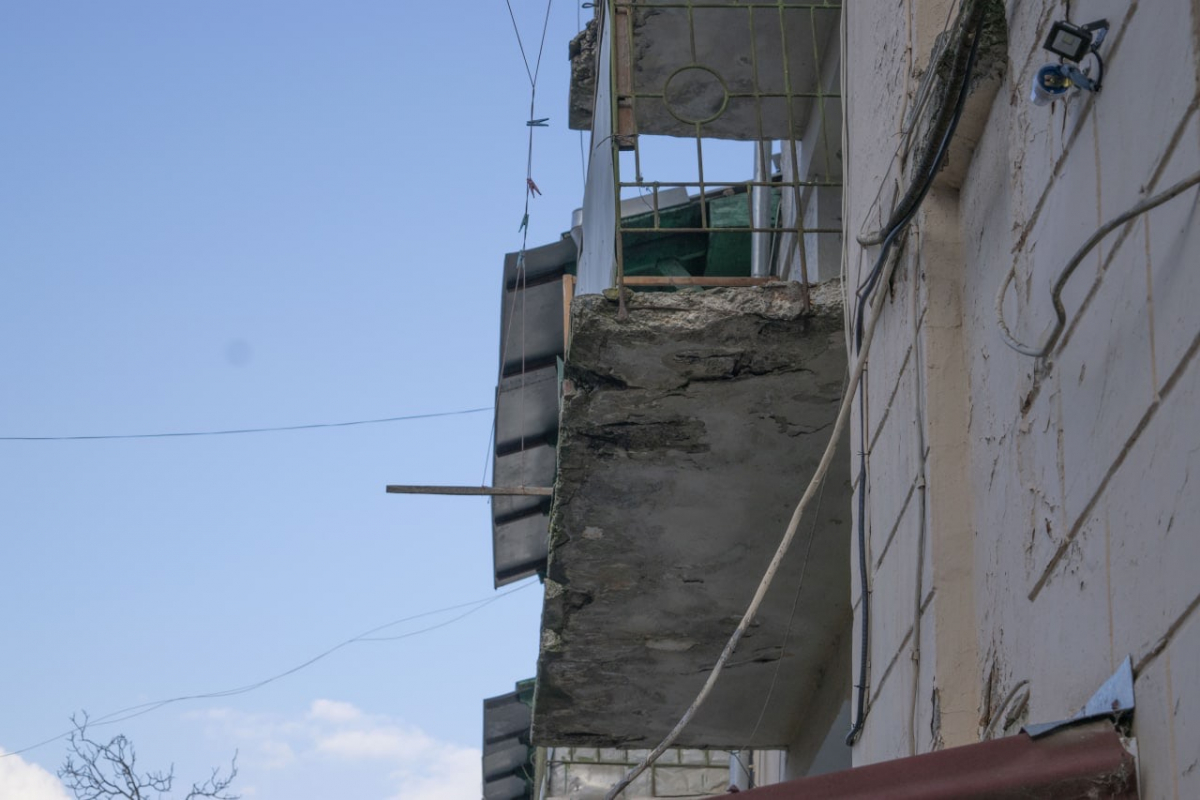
[520,44]
[1042,350]
[812,535]
[839,428]
[239,431]
[582,157]
[921,185]
[519,280]
[882,270]
[920,418]
[131,712]
[864,609]
[945,119]
[1002,711]
[915,196]
[912,115]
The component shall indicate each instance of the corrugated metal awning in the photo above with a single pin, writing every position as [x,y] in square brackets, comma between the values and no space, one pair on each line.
[507,754]
[531,343]
[1088,761]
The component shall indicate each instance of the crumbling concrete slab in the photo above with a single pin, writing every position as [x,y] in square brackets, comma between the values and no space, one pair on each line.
[688,432]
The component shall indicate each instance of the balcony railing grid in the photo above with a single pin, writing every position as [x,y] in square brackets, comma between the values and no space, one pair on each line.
[687,73]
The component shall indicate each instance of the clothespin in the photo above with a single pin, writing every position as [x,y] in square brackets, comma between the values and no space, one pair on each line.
[532,186]
[524,223]
[538,123]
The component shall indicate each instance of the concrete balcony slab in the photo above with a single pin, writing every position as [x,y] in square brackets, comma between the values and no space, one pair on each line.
[688,432]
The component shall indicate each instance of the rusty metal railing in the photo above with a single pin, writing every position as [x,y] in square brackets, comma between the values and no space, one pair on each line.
[682,76]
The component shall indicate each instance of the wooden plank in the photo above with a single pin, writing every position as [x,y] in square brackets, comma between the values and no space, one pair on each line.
[491,491]
[623,61]
[568,289]
[697,280]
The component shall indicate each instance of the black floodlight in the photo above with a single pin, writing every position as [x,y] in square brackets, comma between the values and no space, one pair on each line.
[1073,42]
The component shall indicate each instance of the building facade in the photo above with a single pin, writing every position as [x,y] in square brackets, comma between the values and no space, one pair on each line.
[1029,519]
[991,285]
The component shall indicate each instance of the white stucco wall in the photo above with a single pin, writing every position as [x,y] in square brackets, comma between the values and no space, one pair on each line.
[1053,501]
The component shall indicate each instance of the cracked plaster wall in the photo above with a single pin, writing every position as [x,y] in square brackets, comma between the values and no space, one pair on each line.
[1054,499]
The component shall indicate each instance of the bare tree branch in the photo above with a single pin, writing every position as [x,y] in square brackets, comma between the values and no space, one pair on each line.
[216,786]
[95,771]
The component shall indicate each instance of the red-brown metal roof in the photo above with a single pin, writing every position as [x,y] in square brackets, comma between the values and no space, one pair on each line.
[1086,761]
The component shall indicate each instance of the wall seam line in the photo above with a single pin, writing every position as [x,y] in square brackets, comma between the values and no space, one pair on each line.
[1143,423]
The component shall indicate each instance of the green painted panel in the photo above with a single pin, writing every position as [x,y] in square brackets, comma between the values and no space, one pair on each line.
[729,253]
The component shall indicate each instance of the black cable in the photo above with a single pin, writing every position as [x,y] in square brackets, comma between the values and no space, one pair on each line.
[865,292]
[1099,71]
[868,285]
[520,44]
[460,412]
[960,70]
[145,708]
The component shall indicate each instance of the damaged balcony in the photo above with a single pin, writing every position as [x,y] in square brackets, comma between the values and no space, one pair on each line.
[691,419]
[687,432]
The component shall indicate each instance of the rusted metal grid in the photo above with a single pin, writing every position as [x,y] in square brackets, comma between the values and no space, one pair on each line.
[769,85]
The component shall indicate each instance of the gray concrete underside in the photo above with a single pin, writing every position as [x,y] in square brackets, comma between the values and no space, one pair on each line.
[688,433]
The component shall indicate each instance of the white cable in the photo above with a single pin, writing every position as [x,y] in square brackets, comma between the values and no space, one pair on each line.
[1045,346]
[814,484]
[1003,710]
[843,82]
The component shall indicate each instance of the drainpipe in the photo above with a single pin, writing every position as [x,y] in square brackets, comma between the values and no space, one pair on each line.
[577,232]
[739,761]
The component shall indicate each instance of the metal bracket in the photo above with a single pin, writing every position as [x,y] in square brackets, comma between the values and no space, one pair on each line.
[1100,29]
[1113,699]
[1077,78]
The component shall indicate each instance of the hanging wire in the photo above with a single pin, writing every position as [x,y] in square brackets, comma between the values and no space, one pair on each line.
[969,25]
[520,44]
[812,535]
[239,431]
[1043,348]
[913,115]
[582,157]
[531,190]
[839,428]
[130,712]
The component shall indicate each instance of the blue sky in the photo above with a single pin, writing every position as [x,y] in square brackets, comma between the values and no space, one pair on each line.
[241,214]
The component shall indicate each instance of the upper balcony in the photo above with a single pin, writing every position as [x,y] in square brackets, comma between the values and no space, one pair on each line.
[715,131]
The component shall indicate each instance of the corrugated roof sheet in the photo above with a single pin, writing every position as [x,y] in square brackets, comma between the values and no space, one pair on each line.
[531,335]
[1084,762]
[507,755]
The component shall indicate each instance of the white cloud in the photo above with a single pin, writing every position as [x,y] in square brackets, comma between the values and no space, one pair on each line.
[452,774]
[333,740]
[333,711]
[373,743]
[276,754]
[19,778]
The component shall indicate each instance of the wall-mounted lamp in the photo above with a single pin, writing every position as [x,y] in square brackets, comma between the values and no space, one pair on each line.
[1072,43]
